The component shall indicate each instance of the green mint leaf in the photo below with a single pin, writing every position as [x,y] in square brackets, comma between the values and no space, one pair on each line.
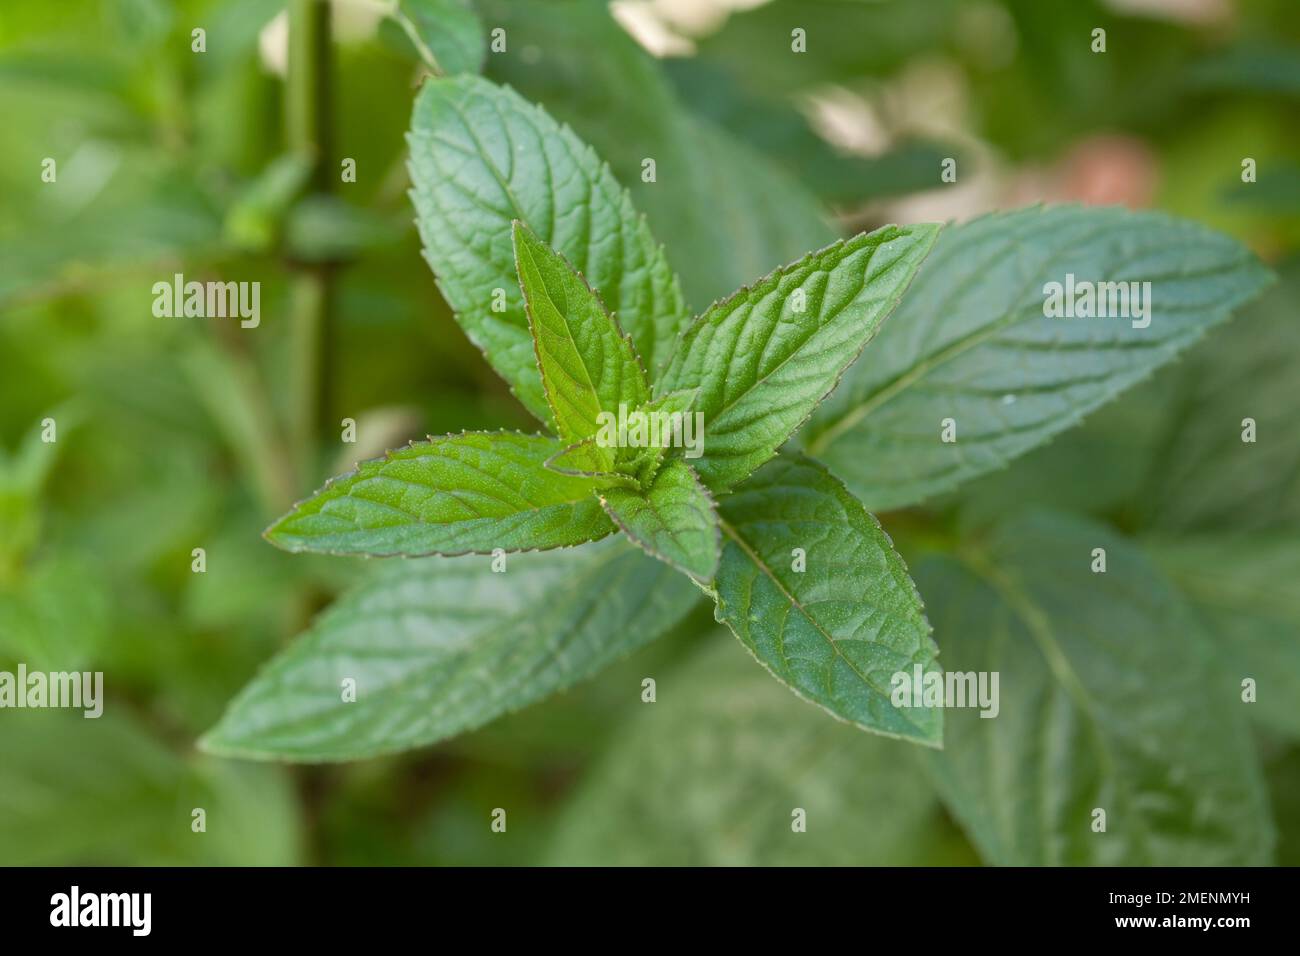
[971,345]
[674,519]
[813,587]
[763,358]
[439,647]
[447,34]
[1244,589]
[587,365]
[481,157]
[472,492]
[1081,724]
[733,756]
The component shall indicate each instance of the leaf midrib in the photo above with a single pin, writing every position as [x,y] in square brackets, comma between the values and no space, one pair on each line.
[818,444]
[573,344]
[735,536]
[1038,624]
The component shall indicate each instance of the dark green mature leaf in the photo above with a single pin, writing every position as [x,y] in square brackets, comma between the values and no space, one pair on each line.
[439,647]
[1109,699]
[446,33]
[587,364]
[1247,590]
[481,157]
[766,356]
[837,631]
[971,343]
[1169,458]
[673,520]
[714,770]
[472,492]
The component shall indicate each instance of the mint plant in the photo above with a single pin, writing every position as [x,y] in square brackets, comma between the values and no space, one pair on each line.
[556,278]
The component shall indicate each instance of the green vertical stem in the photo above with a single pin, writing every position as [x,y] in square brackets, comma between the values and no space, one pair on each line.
[307,119]
[307,116]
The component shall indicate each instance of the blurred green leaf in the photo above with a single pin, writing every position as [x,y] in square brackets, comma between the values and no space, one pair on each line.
[1247,589]
[254,220]
[22,480]
[844,40]
[56,615]
[103,792]
[327,229]
[1109,700]
[1205,477]
[972,343]
[440,647]
[712,773]
[778,131]
[1248,68]
[446,34]
[127,230]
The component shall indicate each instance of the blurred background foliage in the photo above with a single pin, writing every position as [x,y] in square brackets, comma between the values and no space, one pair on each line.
[169,434]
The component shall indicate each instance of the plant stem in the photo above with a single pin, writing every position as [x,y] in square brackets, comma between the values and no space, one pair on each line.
[307,120]
[307,116]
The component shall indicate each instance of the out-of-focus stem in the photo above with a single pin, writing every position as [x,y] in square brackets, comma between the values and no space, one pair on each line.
[307,117]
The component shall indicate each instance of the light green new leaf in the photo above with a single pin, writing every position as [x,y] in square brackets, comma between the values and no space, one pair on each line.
[766,356]
[731,756]
[587,364]
[446,33]
[659,424]
[1109,699]
[472,492]
[1247,590]
[971,343]
[481,157]
[813,587]
[671,423]
[587,459]
[673,520]
[439,647]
